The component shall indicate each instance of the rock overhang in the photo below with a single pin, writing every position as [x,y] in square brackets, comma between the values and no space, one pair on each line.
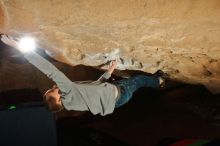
[179,37]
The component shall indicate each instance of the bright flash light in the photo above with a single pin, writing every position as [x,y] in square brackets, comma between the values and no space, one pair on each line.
[27,44]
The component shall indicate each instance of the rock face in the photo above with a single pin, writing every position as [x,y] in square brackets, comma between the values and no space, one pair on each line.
[179,37]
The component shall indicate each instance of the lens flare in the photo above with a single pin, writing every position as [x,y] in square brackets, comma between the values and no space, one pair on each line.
[27,44]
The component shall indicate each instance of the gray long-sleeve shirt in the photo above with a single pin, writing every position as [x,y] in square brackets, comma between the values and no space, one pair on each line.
[99,98]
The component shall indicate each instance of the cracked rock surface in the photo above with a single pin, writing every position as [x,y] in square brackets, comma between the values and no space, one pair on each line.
[178,37]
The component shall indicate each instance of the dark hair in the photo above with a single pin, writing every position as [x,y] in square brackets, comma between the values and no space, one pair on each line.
[51,104]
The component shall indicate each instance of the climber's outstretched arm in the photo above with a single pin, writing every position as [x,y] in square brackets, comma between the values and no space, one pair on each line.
[109,72]
[43,65]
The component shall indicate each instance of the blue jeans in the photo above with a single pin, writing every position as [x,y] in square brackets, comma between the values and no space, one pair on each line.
[129,86]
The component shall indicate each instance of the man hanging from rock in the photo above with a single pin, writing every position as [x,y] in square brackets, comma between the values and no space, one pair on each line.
[99,97]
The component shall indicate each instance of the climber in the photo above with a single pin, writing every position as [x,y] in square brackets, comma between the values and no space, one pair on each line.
[99,97]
